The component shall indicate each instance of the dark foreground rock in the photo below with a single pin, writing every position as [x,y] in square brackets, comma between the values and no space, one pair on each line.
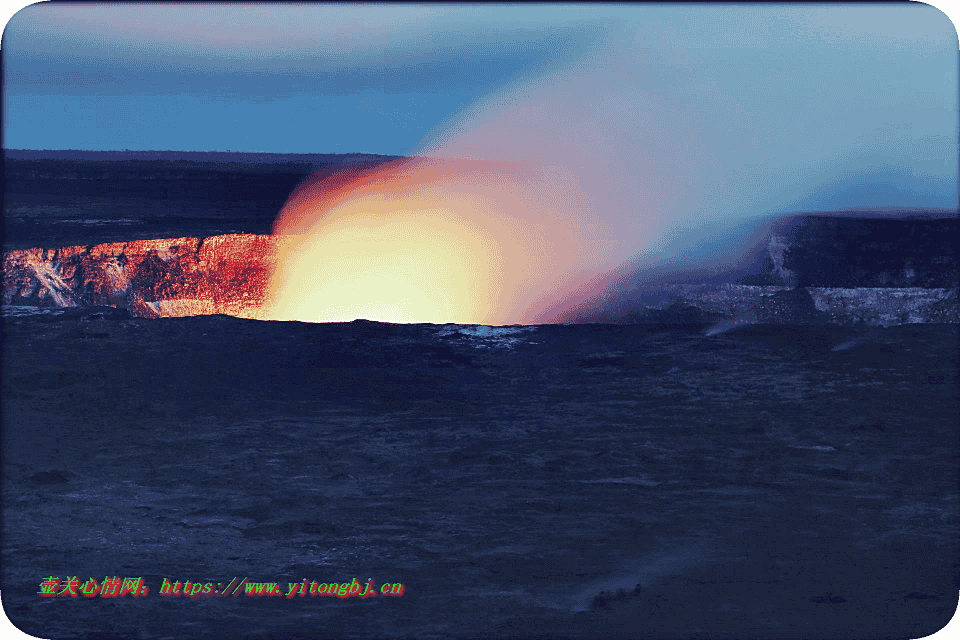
[768,481]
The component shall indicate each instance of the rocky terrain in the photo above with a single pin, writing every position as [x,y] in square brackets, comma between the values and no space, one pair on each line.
[767,481]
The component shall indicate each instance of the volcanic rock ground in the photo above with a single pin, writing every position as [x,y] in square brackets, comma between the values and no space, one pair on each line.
[767,481]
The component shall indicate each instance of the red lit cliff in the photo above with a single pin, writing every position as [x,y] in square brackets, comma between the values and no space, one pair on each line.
[226,274]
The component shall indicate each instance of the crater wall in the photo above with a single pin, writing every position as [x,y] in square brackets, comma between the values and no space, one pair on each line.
[230,275]
[226,274]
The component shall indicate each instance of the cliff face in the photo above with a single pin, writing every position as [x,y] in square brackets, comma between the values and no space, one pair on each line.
[226,274]
[728,305]
[857,252]
[825,271]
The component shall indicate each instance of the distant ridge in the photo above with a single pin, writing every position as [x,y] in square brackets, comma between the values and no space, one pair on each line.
[195,156]
[904,213]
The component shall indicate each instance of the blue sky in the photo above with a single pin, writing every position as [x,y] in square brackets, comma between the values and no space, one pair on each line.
[294,79]
[843,105]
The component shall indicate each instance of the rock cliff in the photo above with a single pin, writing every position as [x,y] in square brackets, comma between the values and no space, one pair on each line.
[727,305]
[226,274]
[848,252]
[229,274]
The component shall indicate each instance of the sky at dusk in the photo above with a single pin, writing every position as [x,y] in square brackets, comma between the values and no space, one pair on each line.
[839,105]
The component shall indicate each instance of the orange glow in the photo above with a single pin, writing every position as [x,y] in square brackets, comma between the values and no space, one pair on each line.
[432,240]
[522,209]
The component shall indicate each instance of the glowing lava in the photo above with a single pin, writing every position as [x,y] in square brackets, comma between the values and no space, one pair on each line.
[431,240]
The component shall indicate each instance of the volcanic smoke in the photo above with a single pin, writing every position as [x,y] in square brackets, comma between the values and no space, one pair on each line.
[533,202]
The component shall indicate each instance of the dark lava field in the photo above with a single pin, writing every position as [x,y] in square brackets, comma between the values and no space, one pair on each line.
[520,482]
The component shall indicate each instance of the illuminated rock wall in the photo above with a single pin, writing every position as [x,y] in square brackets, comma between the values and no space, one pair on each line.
[226,274]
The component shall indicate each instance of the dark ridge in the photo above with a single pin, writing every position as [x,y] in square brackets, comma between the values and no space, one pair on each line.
[886,213]
[850,252]
[242,157]
[66,198]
